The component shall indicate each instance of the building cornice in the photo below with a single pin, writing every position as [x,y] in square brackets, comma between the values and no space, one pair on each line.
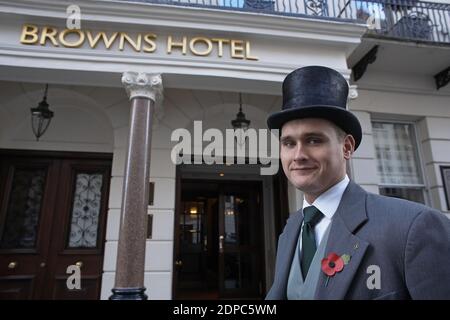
[403,89]
[62,60]
[194,18]
[333,39]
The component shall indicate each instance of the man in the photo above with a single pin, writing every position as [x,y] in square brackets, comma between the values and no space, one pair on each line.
[347,243]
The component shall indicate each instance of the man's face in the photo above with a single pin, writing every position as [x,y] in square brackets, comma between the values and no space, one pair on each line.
[313,156]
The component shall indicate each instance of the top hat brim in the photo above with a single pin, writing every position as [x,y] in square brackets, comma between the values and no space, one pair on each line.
[344,119]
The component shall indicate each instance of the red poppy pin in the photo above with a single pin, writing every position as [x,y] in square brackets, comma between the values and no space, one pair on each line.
[333,264]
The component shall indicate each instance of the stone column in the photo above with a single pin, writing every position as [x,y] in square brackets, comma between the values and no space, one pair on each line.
[145,91]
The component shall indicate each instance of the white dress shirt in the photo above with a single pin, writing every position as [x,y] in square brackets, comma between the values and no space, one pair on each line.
[327,203]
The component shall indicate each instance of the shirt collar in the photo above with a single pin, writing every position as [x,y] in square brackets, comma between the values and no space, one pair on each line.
[328,201]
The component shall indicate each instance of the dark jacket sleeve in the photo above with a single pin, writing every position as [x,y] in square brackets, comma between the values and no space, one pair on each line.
[427,256]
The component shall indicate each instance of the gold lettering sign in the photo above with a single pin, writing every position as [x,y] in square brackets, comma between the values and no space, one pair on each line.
[142,42]
[76,44]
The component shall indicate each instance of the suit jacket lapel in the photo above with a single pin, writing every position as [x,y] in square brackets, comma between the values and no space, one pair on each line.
[350,214]
[288,246]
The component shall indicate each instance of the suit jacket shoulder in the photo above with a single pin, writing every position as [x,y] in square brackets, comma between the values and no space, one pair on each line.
[410,242]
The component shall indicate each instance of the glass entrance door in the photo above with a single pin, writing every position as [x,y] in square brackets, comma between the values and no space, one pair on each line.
[219,250]
[239,239]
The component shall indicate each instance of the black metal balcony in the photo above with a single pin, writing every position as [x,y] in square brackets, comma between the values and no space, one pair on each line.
[406,19]
[322,9]
[397,19]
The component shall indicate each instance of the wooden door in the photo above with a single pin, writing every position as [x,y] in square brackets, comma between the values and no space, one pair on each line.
[27,198]
[52,215]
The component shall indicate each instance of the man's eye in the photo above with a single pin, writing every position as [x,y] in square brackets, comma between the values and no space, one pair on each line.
[314,141]
[288,144]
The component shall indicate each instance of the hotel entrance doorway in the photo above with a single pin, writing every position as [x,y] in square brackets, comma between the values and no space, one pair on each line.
[219,249]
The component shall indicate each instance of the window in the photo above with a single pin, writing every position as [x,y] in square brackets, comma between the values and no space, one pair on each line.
[398,164]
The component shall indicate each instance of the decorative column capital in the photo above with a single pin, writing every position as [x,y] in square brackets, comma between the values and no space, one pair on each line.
[143,85]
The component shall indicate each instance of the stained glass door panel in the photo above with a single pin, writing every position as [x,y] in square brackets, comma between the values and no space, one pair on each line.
[80,241]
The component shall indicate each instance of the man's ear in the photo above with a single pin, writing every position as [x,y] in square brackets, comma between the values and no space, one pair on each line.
[349,146]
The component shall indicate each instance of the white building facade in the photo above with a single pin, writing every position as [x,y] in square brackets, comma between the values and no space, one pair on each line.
[211,229]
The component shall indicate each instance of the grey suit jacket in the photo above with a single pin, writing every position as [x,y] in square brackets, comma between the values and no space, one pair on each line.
[409,242]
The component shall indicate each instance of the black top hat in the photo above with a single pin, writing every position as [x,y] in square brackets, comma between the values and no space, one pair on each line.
[316,92]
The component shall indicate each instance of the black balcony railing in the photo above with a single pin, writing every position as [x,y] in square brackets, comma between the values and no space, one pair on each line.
[406,19]
[399,19]
[322,9]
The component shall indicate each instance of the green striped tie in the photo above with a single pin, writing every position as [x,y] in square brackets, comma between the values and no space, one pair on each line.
[312,216]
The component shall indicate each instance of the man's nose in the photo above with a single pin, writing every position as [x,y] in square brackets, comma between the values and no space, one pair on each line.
[300,153]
